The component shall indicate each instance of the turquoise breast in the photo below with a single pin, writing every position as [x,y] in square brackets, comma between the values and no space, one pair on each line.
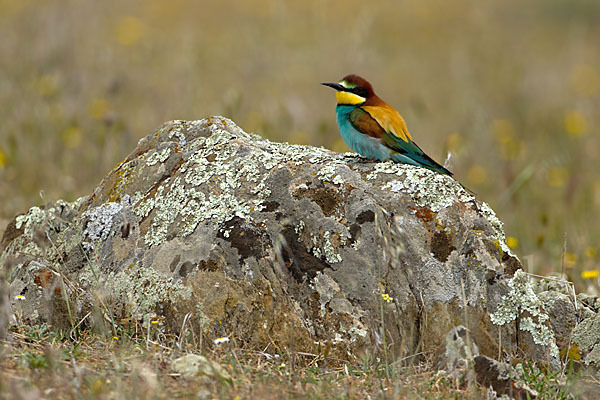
[363,144]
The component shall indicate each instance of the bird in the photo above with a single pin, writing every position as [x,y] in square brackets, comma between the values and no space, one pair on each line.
[373,129]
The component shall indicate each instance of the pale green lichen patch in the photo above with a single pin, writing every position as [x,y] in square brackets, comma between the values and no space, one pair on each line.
[170,201]
[153,157]
[299,228]
[388,167]
[218,181]
[316,250]
[323,247]
[435,191]
[329,174]
[329,249]
[135,289]
[34,217]
[522,300]
[427,188]
[39,219]
[277,153]
[204,191]
[356,331]
[497,225]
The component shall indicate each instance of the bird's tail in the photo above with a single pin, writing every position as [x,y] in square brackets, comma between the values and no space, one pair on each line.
[422,160]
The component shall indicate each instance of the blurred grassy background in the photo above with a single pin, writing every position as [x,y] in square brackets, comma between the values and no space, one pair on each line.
[511,88]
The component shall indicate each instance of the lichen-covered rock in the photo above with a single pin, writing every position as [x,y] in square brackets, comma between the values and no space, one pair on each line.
[210,229]
[586,336]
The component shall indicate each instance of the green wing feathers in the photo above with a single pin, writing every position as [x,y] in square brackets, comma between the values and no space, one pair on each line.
[412,151]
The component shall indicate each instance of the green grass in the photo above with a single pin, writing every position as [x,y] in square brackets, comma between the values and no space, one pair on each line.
[97,367]
[548,384]
[134,369]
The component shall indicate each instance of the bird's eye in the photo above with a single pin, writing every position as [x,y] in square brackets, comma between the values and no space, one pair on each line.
[362,92]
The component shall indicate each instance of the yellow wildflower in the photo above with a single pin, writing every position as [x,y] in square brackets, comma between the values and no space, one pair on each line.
[590,274]
[512,242]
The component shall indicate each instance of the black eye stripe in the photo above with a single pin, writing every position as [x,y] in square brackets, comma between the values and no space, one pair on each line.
[362,92]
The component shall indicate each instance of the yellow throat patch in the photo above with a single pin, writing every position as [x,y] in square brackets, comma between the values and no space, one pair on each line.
[349,98]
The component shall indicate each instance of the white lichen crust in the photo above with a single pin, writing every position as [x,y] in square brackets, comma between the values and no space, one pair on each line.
[100,222]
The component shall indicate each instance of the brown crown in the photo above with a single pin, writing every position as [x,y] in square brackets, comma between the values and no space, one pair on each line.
[359,82]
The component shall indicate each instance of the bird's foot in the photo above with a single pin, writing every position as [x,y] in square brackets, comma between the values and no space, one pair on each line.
[359,159]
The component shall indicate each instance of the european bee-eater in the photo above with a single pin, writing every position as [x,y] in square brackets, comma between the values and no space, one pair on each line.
[373,129]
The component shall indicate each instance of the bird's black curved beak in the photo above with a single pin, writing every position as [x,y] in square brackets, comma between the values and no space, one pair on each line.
[336,86]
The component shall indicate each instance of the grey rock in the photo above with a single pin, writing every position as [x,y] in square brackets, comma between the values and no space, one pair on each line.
[457,360]
[587,337]
[460,349]
[192,365]
[269,243]
[5,312]
[463,365]
[501,378]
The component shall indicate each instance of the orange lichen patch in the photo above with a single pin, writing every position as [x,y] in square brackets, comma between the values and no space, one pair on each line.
[439,227]
[424,214]
[46,279]
[121,174]
[572,352]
